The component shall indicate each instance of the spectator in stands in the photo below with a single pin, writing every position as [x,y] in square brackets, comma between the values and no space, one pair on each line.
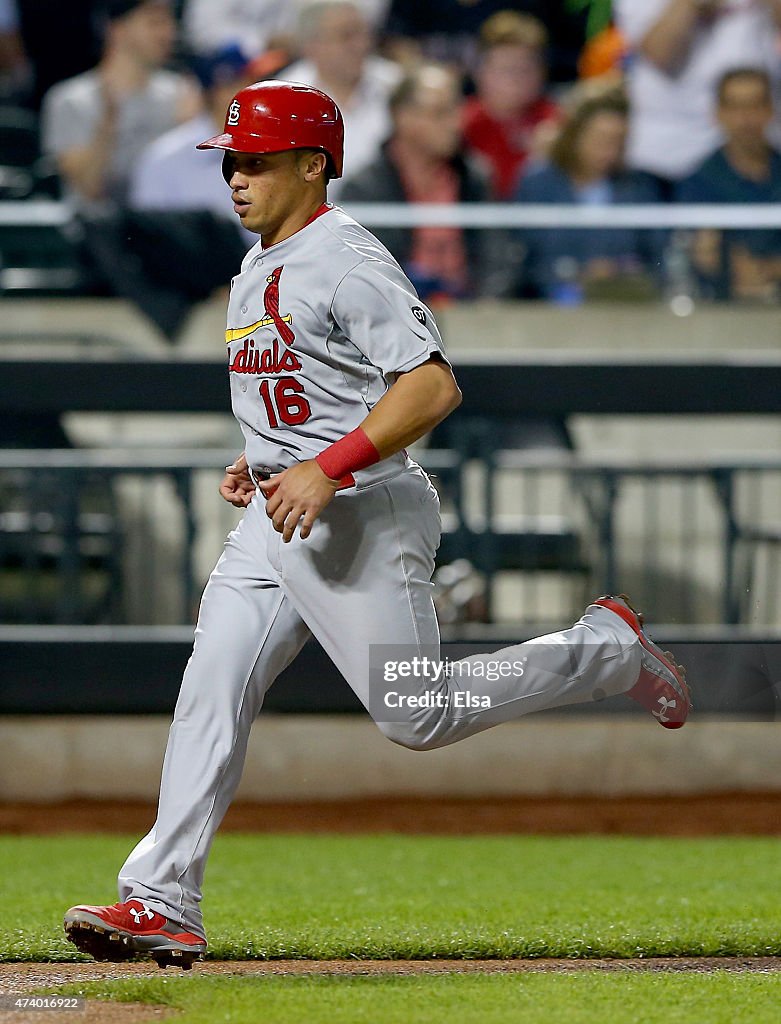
[170,173]
[254,25]
[422,163]
[447,30]
[336,41]
[210,25]
[586,166]
[97,124]
[681,49]
[503,120]
[746,169]
[180,241]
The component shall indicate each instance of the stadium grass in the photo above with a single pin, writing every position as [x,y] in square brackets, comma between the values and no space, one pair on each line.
[584,998]
[390,897]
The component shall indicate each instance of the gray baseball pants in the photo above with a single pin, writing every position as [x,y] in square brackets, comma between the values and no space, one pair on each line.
[362,578]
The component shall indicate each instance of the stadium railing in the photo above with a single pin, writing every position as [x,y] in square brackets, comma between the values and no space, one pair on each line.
[120,536]
[40,239]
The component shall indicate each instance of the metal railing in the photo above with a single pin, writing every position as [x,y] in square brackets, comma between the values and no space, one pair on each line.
[41,244]
[128,537]
[59,214]
[699,539]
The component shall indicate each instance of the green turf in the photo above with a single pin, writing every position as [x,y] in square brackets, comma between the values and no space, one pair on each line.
[396,896]
[584,998]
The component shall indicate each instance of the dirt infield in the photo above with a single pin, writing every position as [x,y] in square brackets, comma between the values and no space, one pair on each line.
[23,978]
[710,814]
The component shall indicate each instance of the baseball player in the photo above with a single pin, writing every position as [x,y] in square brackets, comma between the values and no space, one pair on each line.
[335,366]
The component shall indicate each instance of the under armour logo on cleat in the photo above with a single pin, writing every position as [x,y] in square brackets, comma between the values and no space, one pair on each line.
[666,705]
[138,914]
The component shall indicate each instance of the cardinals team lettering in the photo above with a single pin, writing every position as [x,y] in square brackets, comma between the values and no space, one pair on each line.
[268,361]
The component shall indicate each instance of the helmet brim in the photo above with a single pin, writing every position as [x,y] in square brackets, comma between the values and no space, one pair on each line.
[227,141]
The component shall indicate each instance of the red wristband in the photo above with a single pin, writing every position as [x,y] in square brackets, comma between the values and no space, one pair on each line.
[352,452]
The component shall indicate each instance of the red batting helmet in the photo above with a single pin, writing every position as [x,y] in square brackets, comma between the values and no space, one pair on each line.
[269,117]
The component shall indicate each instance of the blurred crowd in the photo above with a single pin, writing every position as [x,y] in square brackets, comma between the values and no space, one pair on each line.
[526,102]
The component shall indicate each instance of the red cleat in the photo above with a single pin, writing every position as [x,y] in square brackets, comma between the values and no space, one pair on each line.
[661,688]
[122,931]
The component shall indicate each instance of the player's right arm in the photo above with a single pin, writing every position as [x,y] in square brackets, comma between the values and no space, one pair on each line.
[418,400]
[413,406]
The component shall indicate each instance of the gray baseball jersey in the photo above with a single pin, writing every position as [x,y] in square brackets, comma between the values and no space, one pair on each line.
[318,324]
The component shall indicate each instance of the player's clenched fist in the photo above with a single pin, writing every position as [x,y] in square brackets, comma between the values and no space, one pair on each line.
[237,486]
[297,495]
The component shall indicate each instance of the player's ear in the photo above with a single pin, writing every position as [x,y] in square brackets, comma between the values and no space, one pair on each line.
[313,164]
